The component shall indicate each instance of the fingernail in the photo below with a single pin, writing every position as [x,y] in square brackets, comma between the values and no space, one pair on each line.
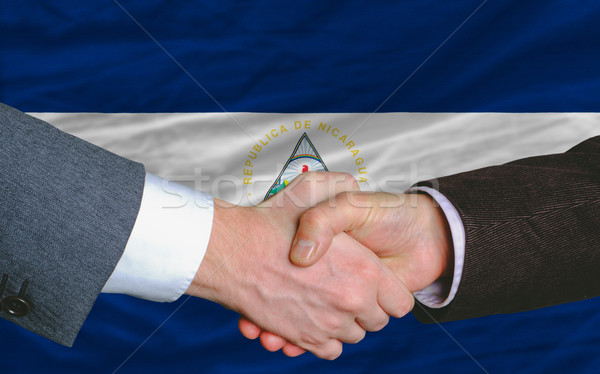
[303,250]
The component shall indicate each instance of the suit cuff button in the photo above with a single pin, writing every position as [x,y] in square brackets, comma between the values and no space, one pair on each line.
[16,306]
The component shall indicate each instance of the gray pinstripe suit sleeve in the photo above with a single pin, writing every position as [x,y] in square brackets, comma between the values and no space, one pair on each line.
[67,209]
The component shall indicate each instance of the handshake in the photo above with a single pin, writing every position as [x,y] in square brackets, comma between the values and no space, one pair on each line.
[355,259]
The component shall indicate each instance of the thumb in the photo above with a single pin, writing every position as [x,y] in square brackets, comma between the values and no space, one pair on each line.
[319,224]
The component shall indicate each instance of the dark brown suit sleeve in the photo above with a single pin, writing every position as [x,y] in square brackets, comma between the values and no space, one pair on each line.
[532,234]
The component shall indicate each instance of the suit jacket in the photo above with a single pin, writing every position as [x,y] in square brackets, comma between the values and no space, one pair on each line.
[532,234]
[67,208]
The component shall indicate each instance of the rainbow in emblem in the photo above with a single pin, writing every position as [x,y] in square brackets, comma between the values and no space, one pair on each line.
[304,158]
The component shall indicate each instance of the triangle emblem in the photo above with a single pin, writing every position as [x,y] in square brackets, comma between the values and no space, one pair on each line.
[304,158]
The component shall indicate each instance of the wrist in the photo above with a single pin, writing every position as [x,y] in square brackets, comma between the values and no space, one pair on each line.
[230,233]
[449,246]
[438,230]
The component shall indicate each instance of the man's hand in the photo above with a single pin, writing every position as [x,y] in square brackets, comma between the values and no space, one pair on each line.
[408,232]
[247,269]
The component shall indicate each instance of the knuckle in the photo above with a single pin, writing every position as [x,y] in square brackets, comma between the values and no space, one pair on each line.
[340,181]
[341,200]
[381,323]
[303,176]
[333,353]
[353,301]
[350,182]
[405,305]
[344,176]
[350,200]
[312,176]
[328,350]
[369,273]
[311,340]
[313,217]
[357,337]
[334,323]
[344,197]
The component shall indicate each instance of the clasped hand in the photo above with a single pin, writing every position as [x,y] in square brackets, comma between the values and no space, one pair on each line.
[355,260]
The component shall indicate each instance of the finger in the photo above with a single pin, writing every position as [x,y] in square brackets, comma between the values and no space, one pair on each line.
[314,187]
[309,189]
[272,342]
[330,350]
[375,321]
[248,329]
[354,334]
[318,225]
[292,350]
[392,295]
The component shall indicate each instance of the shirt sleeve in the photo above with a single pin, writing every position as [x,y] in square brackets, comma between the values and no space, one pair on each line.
[167,243]
[436,295]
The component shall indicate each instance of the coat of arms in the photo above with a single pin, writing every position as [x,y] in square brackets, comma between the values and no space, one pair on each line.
[304,158]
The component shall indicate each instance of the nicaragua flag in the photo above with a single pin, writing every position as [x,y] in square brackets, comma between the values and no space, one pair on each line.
[238,98]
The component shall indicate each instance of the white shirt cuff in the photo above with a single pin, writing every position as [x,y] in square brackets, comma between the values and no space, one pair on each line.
[434,295]
[167,243]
